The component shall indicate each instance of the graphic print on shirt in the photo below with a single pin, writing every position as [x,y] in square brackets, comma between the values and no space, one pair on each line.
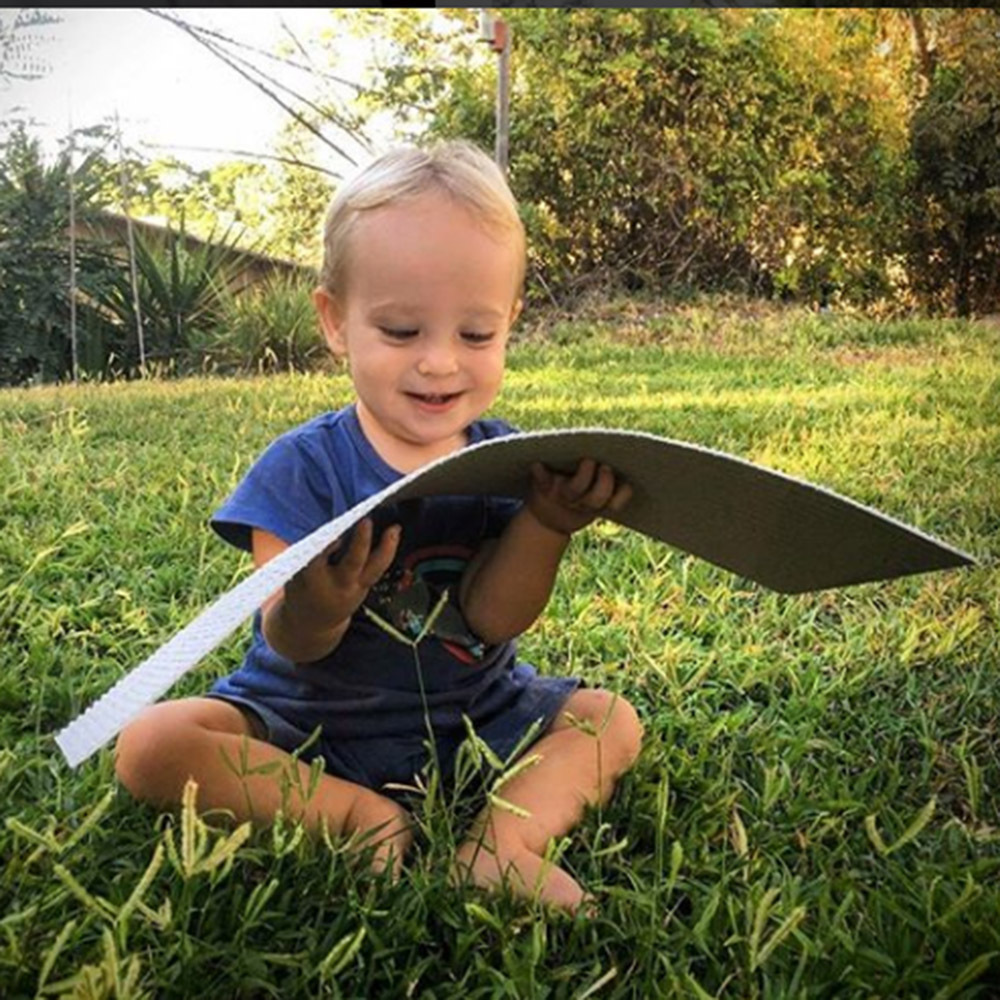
[409,592]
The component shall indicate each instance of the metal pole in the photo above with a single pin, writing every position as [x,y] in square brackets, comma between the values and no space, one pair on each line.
[72,260]
[130,232]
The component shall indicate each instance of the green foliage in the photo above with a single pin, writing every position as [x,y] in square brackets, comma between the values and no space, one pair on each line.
[268,327]
[185,285]
[297,199]
[956,252]
[35,262]
[227,196]
[800,153]
[815,811]
[774,151]
[181,286]
[677,149]
[276,208]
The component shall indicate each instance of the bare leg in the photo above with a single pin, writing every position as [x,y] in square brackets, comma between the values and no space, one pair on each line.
[577,768]
[175,741]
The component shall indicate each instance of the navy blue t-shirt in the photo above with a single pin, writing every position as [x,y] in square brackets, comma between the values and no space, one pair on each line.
[370,683]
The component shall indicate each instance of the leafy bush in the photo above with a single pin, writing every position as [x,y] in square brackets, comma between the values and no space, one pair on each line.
[182,285]
[955,248]
[267,327]
[671,150]
[35,337]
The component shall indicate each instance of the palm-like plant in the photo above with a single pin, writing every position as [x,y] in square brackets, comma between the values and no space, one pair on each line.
[182,284]
[269,327]
[35,266]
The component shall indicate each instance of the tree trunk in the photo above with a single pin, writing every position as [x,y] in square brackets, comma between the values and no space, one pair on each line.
[925,49]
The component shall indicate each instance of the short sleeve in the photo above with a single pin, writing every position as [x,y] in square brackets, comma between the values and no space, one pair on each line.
[287,492]
[487,429]
[500,512]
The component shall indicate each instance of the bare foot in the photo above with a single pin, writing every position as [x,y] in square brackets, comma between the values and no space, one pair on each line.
[524,873]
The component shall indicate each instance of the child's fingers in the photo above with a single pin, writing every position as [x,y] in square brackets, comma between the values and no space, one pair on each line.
[331,554]
[381,557]
[581,482]
[353,560]
[621,497]
[541,477]
[602,489]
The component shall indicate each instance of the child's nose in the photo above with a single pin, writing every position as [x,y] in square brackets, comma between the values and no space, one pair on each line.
[437,359]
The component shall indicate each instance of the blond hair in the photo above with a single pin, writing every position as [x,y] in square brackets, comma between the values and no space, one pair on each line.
[458,168]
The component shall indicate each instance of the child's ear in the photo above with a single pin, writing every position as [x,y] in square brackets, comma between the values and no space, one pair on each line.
[515,311]
[331,319]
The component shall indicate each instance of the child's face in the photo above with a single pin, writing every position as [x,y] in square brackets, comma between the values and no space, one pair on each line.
[424,320]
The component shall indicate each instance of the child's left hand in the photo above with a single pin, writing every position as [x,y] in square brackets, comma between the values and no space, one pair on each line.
[566,503]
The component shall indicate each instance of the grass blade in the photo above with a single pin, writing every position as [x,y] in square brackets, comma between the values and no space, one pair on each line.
[598,984]
[913,830]
[342,953]
[969,974]
[53,954]
[774,941]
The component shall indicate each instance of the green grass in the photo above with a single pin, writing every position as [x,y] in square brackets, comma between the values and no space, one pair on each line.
[815,812]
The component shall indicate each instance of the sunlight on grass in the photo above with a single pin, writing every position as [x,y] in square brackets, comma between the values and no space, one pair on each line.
[815,810]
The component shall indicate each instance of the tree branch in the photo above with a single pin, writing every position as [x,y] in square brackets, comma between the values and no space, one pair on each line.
[291,160]
[195,33]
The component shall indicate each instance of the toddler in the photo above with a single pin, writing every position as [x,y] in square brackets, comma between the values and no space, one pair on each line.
[424,259]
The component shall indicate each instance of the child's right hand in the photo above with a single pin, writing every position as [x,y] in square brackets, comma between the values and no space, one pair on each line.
[324,596]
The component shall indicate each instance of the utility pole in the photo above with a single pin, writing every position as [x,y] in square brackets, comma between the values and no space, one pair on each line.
[72,257]
[130,231]
[496,33]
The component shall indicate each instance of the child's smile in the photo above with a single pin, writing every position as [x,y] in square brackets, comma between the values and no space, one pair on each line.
[434,403]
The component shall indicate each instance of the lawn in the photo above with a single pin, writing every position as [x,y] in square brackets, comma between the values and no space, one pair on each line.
[815,810]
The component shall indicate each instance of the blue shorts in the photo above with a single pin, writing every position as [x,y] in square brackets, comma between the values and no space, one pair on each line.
[376,762]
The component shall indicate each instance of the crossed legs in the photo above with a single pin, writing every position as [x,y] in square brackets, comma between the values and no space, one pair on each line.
[581,756]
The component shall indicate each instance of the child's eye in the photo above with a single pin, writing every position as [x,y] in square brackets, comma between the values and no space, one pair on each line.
[470,337]
[398,334]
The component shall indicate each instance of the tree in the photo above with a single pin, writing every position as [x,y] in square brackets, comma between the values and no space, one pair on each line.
[297,201]
[678,148]
[34,263]
[955,251]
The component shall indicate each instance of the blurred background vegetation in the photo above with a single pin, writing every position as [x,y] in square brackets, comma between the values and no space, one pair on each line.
[847,158]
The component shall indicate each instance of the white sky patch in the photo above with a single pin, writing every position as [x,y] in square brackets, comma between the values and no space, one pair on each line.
[165,87]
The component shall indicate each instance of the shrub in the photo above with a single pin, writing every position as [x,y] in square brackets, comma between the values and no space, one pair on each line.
[267,327]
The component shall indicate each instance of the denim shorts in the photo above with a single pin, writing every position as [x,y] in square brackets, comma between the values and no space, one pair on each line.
[403,760]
